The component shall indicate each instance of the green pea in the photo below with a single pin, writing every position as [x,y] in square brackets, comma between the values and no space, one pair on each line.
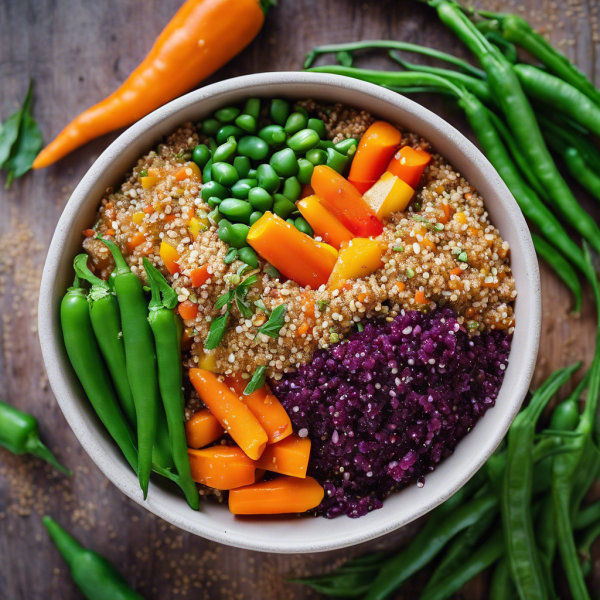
[317,156]
[242,166]
[255,216]
[280,109]
[238,232]
[226,151]
[247,123]
[272,134]
[212,145]
[295,122]
[201,155]
[242,187]
[213,201]
[325,145]
[207,172]
[284,163]
[210,127]
[283,207]
[305,170]
[346,147]
[224,173]
[252,107]
[318,126]
[301,110]
[292,189]
[302,225]
[212,189]
[249,256]
[228,131]
[227,115]
[303,141]
[252,174]
[260,199]
[253,147]
[336,161]
[268,178]
[223,231]
[236,210]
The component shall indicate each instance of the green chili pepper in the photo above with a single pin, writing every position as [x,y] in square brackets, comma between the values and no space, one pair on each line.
[140,359]
[501,586]
[163,322]
[292,189]
[227,114]
[241,188]
[507,48]
[268,178]
[545,539]
[84,355]
[303,141]
[19,433]
[305,171]
[93,574]
[295,122]
[228,131]
[248,256]
[336,161]
[317,156]
[247,123]
[236,210]
[284,163]
[106,322]
[280,109]
[283,207]
[274,135]
[578,168]
[210,127]
[225,152]
[201,155]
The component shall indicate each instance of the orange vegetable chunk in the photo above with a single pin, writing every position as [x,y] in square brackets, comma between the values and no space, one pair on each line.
[341,198]
[288,457]
[358,259]
[189,171]
[136,240]
[200,275]
[188,310]
[374,152]
[389,195]
[170,256]
[279,496]
[265,407]
[202,429]
[222,467]
[324,224]
[233,414]
[409,165]
[293,253]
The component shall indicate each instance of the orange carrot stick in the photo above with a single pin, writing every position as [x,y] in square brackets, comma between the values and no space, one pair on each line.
[170,256]
[409,165]
[200,275]
[324,224]
[279,496]
[233,414]
[201,37]
[221,467]
[265,407]
[288,457]
[294,253]
[188,310]
[202,429]
[341,198]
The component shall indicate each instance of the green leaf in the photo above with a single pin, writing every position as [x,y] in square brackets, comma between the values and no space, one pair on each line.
[242,288]
[257,381]
[8,135]
[244,308]
[260,304]
[217,331]
[275,323]
[224,299]
[163,295]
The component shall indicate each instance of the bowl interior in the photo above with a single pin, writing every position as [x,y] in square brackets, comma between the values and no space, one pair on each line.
[290,533]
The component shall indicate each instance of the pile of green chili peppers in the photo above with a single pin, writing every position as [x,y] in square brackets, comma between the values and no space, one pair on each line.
[525,511]
[126,352]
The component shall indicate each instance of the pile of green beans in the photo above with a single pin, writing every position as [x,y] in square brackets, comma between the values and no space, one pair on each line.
[126,354]
[256,159]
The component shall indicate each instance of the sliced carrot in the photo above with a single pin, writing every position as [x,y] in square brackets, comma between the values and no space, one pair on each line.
[136,240]
[265,407]
[200,276]
[374,151]
[288,457]
[169,218]
[170,257]
[357,260]
[293,253]
[401,286]
[446,217]
[149,209]
[222,467]
[456,271]
[420,298]
[341,198]
[188,310]
[409,165]
[231,412]
[279,496]
[202,429]
[88,232]
[324,224]
[189,171]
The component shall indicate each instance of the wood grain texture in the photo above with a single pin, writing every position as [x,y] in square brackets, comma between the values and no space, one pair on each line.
[78,52]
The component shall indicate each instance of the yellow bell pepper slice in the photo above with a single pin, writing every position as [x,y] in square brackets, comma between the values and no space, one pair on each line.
[359,259]
[389,195]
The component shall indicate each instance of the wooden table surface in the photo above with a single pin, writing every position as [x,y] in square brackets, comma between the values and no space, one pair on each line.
[78,52]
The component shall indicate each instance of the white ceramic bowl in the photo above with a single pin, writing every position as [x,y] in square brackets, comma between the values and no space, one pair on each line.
[291,534]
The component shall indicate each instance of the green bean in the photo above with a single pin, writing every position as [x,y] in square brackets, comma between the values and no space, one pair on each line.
[268,179]
[236,210]
[581,172]
[292,189]
[507,48]
[224,173]
[347,147]
[247,123]
[225,152]
[336,161]
[317,157]
[560,266]
[295,122]
[252,107]
[587,515]
[241,188]
[502,586]
[255,216]
[283,207]
[303,141]
[242,166]
[213,189]
[284,163]
[318,126]
[305,171]
[227,114]
[280,109]
[274,135]
[260,199]
[210,127]
[248,255]
[228,131]
[303,225]
[201,155]
[545,537]
[253,147]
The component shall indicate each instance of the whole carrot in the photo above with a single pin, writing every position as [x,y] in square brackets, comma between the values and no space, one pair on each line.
[201,37]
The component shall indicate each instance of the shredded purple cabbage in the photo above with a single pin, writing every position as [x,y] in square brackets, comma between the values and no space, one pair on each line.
[383,408]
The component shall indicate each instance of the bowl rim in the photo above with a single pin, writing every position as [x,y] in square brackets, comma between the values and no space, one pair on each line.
[87,432]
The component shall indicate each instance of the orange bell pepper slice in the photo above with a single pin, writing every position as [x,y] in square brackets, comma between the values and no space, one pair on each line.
[279,496]
[265,407]
[200,276]
[341,198]
[324,224]
[293,253]
[189,171]
[288,457]
[374,151]
[202,429]
[136,240]
[233,414]
[221,467]
[170,257]
[188,310]
[409,165]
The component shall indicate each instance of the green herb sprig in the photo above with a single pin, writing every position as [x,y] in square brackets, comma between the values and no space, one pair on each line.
[257,381]
[276,321]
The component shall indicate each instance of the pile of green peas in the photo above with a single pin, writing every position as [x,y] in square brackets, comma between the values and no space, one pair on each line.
[257,161]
